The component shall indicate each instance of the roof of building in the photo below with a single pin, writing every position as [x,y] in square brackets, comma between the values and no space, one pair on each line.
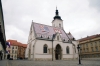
[16,43]
[89,37]
[45,31]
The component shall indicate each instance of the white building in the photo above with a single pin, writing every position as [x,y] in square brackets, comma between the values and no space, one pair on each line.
[50,42]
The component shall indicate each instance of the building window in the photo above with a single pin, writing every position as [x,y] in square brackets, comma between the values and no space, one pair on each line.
[12,47]
[59,25]
[95,43]
[45,48]
[67,49]
[96,48]
[15,56]
[86,45]
[15,51]
[92,49]
[12,56]
[57,37]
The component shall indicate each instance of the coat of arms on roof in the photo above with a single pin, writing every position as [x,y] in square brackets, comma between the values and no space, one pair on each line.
[44,28]
[57,31]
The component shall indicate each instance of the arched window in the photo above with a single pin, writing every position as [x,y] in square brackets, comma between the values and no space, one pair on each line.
[59,25]
[67,49]
[45,48]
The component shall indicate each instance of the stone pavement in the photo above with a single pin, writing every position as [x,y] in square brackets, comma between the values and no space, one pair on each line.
[52,63]
[3,62]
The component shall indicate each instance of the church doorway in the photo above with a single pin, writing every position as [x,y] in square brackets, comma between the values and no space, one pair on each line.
[58,52]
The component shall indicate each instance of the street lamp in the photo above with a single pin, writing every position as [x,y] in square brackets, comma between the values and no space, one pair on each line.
[78,47]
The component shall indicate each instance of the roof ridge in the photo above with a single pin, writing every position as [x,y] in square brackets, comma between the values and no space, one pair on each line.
[46,25]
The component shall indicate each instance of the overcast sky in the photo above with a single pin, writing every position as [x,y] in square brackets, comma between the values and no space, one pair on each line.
[80,17]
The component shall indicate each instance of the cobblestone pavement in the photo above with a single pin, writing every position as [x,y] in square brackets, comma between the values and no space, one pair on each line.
[3,62]
[52,63]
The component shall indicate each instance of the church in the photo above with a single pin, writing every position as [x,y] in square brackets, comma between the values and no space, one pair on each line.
[51,42]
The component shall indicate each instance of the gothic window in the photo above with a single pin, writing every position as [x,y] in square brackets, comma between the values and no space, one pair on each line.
[45,48]
[67,49]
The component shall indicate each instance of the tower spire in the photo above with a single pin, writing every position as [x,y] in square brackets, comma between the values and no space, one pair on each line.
[57,14]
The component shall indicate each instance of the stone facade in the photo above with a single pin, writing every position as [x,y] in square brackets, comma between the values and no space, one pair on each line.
[90,46]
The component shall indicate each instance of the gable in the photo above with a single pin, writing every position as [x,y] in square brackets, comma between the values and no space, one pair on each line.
[58,37]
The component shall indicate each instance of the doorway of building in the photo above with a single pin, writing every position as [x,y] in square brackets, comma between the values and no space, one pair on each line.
[8,56]
[58,52]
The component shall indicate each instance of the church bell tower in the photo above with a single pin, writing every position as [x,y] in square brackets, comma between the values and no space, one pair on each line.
[57,22]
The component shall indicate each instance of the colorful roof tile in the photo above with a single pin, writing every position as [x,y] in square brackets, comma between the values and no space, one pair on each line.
[46,31]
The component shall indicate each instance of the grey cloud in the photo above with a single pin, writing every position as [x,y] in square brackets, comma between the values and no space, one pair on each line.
[95,4]
[78,17]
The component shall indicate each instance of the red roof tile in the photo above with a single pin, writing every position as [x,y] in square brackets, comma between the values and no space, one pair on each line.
[15,43]
[89,37]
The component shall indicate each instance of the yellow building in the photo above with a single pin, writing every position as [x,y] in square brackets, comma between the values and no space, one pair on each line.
[16,50]
[90,46]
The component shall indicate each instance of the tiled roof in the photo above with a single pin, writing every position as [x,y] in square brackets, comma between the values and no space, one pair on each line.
[89,37]
[47,31]
[15,43]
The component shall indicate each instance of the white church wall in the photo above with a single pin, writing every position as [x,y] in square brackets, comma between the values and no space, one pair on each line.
[39,49]
[76,43]
[70,48]
[32,48]
[43,56]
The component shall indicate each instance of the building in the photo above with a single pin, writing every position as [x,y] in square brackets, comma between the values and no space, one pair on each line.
[50,42]
[16,50]
[2,34]
[21,51]
[90,47]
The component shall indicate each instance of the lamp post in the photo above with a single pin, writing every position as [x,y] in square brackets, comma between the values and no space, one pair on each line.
[52,45]
[78,47]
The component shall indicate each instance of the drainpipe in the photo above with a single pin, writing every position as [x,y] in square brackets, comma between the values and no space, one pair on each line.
[34,49]
[52,45]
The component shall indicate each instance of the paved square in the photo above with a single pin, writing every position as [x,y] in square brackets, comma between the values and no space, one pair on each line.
[52,63]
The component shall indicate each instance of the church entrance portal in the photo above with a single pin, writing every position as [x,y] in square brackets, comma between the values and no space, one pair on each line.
[58,52]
